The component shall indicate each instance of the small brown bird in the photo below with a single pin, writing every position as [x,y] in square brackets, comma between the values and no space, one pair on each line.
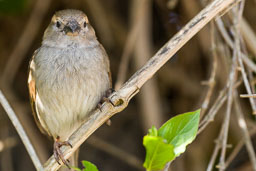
[68,76]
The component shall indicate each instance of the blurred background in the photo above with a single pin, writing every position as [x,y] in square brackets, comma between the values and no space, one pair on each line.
[131,31]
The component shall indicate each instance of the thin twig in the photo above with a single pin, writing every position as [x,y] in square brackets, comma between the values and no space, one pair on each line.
[239,54]
[230,43]
[248,95]
[7,143]
[238,148]
[16,123]
[243,126]
[232,77]
[225,126]
[249,62]
[149,100]
[128,48]
[121,97]
[248,35]
[215,151]
[215,107]
[211,81]
[213,111]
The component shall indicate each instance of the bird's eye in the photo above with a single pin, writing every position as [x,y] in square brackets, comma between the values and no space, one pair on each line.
[85,24]
[58,24]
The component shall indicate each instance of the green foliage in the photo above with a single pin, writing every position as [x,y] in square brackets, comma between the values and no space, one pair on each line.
[12,6]
[152,131]
[158,152]
[88,166]
[180,130]
[165,144]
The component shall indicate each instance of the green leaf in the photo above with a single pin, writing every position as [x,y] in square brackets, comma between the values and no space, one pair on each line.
[152,131]
[88,166]
[180,130]
[158,153]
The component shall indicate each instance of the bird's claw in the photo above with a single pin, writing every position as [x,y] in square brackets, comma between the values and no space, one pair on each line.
[106,99]
[58,155]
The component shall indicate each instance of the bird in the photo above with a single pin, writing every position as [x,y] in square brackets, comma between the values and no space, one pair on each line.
[69,74]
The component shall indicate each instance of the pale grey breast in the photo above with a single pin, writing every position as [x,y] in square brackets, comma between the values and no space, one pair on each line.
[66,97]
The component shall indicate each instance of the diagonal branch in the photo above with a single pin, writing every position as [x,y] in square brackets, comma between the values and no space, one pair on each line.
[16,123]
[122,97]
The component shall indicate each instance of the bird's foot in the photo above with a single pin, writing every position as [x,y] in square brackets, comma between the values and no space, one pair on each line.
[58,155]
[105,98]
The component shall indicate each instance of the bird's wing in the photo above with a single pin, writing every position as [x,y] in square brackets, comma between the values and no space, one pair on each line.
[33,96]
[106,58]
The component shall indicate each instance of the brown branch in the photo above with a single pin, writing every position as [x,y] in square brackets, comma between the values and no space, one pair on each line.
[149,100]
[16,123]
[246,135]
[238,147]
[215,107]
[215,151]
[247,61]
[225,126]
[248,95]
[248,35]
[128,49]
[7,143]
[121,97]
[211,81]
[232,77]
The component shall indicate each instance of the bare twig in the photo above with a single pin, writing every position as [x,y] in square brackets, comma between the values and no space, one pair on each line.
[211,81]
[232,77]
[150,103]
[128,48]
[248,35]
[215,107]
[215,151]
[249,63]
[121,97]
[243,126]
[248,95]
[213,111]
[21,132]
[224,32]
[230,43]
[238,148]
[129,45]
[23,112]
[225,126]
[8,143]
[241,56]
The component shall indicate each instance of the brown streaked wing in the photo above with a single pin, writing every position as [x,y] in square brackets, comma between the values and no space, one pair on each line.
[32,95]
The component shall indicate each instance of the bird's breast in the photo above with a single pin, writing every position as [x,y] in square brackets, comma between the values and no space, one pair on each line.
[70,84]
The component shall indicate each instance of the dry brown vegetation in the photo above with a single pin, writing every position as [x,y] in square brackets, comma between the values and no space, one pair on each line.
[208,72]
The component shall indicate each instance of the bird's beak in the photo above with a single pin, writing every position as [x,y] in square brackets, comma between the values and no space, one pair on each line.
[72,28]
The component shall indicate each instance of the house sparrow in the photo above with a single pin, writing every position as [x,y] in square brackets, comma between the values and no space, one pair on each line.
[68,76]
